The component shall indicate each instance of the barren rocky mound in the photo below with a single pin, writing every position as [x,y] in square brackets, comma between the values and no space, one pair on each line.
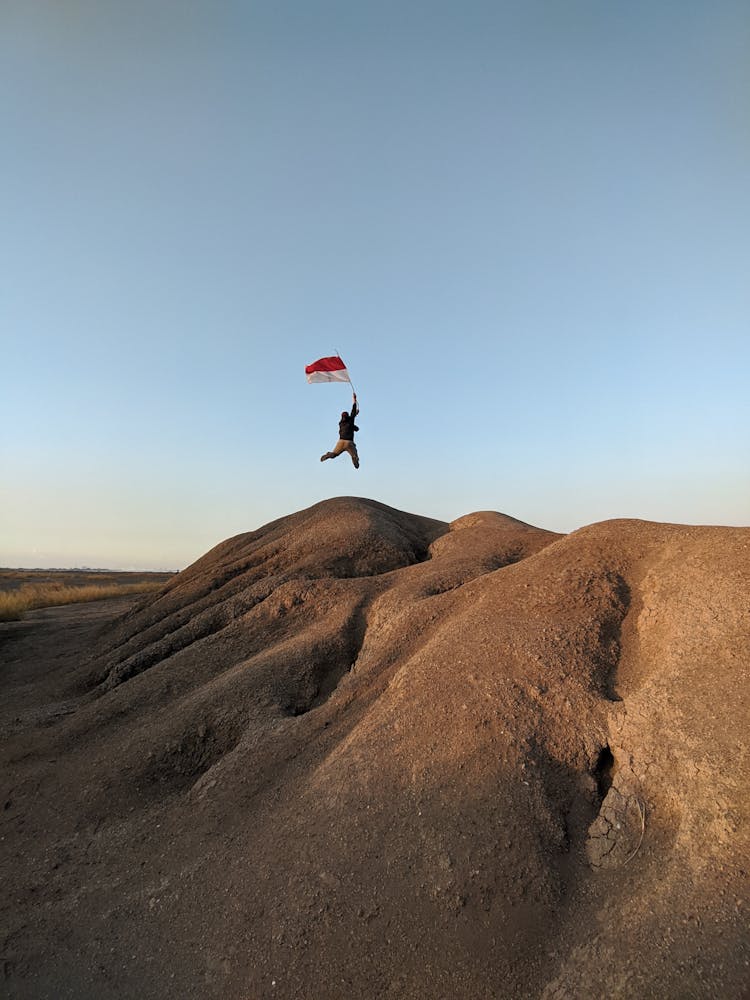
[361,753]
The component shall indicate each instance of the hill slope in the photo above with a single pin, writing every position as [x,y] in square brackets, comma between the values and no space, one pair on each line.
[364,753]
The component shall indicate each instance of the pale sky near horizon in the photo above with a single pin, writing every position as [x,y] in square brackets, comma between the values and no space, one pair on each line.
[525,226]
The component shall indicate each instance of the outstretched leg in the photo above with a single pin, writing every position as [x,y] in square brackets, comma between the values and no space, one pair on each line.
[338,448]
[352,449]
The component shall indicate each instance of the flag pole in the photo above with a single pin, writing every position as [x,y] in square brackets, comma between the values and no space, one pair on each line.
[338,355]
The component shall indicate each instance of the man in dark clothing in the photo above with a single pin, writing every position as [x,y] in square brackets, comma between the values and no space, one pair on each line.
[347,427]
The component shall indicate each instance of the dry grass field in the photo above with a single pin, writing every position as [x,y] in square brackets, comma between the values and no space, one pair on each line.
[24,590]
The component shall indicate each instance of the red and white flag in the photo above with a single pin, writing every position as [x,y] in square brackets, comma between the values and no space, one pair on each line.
[327,370]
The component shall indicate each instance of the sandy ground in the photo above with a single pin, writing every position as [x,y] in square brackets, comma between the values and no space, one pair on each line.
[360,753]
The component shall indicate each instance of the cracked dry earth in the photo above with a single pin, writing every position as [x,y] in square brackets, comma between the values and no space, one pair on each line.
[361,753]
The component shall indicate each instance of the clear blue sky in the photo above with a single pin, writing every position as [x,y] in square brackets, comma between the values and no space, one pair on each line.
[525,226]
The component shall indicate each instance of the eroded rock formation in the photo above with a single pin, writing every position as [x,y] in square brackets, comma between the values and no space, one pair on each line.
[362,753]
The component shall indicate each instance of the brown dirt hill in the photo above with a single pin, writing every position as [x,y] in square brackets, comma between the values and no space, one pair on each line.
[361,753]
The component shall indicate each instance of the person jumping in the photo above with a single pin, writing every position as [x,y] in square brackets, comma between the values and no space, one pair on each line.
[347,427]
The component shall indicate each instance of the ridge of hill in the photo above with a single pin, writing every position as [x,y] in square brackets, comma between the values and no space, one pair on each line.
[364,753]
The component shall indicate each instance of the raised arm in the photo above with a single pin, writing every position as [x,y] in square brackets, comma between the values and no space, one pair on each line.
[355,408]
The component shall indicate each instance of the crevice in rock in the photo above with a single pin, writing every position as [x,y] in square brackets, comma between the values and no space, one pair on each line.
[604,772]
[610,637]
[187,756]
[325,674]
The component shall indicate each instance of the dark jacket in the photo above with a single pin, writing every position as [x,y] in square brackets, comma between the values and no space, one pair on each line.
[347,427]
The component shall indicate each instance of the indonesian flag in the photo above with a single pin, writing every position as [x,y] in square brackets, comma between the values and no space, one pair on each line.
[327,370]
